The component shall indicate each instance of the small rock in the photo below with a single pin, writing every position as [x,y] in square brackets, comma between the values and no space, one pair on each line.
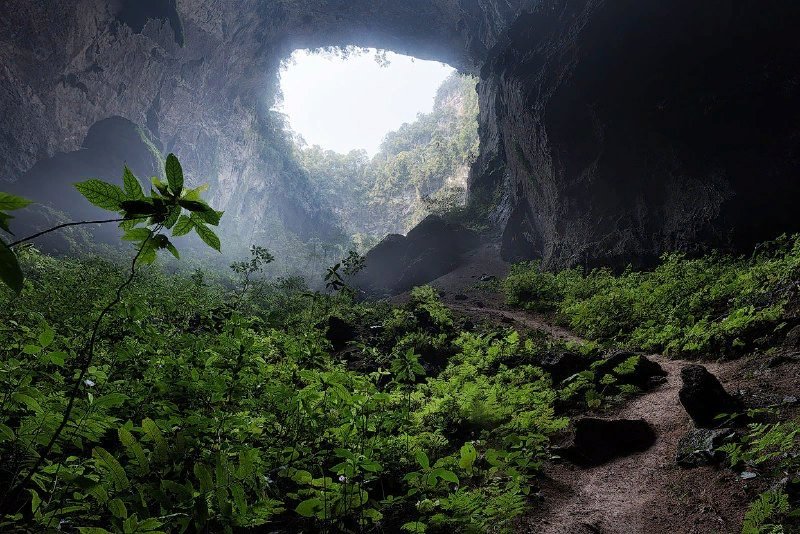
[748,475]
[640,376]
[699,446]
[339,332]
[562,365]
[789,399]
[488,278]
[792,339]
[597,441]
[704,398]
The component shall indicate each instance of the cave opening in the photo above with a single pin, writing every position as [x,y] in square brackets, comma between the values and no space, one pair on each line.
[386,139]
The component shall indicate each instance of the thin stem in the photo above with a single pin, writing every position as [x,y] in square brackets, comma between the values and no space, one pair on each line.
[67,225]
[87,361]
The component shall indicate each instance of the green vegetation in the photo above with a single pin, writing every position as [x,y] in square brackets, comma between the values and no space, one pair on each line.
[421,168]
[211,406]
[710,305]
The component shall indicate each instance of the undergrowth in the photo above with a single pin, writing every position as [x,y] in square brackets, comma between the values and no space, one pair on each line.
[220,407]
[694,307]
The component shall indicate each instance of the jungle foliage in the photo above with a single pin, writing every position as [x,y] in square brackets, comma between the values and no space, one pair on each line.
[714,304]
[421,168]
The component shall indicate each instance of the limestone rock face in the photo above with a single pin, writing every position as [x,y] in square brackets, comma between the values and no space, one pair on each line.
[611,130]
[616,130]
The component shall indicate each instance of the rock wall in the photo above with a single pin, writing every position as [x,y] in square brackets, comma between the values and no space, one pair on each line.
[621,129]
[611,130]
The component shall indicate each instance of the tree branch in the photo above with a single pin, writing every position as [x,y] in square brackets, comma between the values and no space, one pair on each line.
[67,225]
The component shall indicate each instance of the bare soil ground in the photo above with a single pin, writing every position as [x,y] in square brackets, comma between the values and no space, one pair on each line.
[644,493]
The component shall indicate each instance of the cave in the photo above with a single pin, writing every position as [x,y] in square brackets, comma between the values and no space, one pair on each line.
[610,131]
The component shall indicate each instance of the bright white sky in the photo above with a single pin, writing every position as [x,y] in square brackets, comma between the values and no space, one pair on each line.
[349,104]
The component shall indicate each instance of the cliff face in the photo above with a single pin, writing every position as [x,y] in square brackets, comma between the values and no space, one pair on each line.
[610,131]
[619,129]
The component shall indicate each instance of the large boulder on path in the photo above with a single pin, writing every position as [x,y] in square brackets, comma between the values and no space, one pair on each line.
[398,263]
[563,364]
[704,398]
[642,374]
[699,446]
[595,441]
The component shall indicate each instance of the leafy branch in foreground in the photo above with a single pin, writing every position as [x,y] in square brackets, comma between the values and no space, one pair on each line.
[142,218]
[169,206]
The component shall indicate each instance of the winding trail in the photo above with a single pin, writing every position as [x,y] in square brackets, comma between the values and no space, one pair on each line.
[646,493]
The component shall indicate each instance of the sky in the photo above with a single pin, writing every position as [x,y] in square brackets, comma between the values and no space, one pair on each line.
[349,104]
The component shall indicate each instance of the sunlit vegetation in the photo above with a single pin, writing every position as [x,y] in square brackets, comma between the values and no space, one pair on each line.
[712,305]
[421,168]
[211,406]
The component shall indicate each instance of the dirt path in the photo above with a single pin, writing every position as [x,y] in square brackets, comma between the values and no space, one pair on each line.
[529,320]
[646,493]
[643,493]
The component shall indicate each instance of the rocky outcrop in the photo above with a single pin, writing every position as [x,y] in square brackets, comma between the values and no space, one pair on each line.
[398,263]
[594,441]
[616,130]
[630,368]
[704,398]
[700,446]
[611,130]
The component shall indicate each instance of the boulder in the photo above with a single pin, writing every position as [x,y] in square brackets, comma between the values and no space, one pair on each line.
[339,332]
[642,375]
[704,398]
[563,364]
[792,340]
[597,441]
[699,446]
[398,263]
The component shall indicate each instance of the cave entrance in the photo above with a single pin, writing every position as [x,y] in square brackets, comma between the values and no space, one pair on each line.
[386,139]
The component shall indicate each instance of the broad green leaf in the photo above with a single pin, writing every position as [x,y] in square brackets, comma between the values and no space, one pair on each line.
[10,272]
[183,226]
[102,194]
[117,508]
[309,507]
[174,251]
[204,477]
[134,449]
[6,433]
[152,431]
[46,336]
[137,234]
[468,457]
[208,236]
[112,467]
[12,202]
[133,189]
[211,216]
[57,358]
[92,530]
[172,217]
[161,186]
[28,401]
[174,174]
[195,194]
[444,474]
[239,498]
[423,460]
[193,205]
[112,400]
